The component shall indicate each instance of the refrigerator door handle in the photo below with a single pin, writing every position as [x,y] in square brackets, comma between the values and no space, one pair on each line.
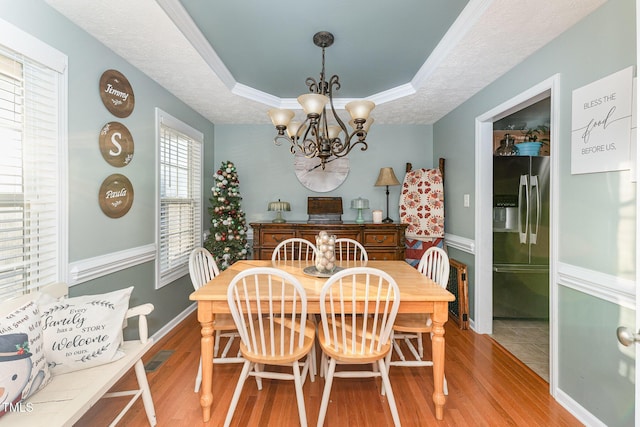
[523,194]
[534,184]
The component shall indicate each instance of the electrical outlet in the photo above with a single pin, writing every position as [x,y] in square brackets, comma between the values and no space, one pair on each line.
[465,202]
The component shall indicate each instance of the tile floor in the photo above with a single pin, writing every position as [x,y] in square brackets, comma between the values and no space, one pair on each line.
[528,340]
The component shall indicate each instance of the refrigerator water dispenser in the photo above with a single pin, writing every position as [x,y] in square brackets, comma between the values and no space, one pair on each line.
[505,213]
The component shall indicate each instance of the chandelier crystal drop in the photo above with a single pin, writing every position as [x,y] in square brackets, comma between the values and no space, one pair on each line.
[320,134]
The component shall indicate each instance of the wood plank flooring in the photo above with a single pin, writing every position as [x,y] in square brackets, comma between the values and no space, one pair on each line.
[487,387]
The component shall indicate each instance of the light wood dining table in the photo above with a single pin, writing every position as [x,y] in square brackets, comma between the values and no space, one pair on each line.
[418,294]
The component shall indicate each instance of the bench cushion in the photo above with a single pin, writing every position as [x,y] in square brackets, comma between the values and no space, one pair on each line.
[85,331]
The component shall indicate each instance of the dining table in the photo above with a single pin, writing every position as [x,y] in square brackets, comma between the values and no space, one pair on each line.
[418,294]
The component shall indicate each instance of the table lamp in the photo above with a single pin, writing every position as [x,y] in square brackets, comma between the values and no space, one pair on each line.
[387,178]
[279,207]
[360,204]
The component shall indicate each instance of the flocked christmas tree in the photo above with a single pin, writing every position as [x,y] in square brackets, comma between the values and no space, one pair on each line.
[227,240]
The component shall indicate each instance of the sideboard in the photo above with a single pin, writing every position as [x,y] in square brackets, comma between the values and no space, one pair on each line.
[382,241]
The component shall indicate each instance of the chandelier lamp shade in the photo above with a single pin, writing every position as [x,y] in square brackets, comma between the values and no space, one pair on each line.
[323,133]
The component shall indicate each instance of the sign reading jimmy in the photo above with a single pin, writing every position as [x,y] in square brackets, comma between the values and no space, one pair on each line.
[601,124]
[116,93]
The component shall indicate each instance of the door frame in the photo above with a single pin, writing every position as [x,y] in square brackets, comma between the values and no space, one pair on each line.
[483,293]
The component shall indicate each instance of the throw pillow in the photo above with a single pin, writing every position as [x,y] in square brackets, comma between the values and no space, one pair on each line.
[84,331]
[23,368]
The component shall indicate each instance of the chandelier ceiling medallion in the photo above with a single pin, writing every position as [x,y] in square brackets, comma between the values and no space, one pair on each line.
[319,135]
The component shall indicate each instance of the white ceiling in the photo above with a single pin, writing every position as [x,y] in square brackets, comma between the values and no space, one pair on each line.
[417,59]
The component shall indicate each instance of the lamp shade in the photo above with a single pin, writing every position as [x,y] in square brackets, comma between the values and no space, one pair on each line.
[279,206]
[359,109]
[360,203]
[365,126]
[296,129]
[386,177]
[313,103]
[334,131]
[280,117]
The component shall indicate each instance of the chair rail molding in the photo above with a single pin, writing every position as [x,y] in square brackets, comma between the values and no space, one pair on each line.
[597,284]
[92,268]
[461,243]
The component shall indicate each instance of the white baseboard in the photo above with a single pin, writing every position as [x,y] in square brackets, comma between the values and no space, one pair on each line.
[160,333]
[584,416]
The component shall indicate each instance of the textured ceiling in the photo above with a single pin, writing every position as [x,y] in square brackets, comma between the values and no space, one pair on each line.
[417,59]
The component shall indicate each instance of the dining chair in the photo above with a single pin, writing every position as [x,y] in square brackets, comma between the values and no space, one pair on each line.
[350,250]
[294,248]
[279,333]
[409,327]
[203,268]
[352,336]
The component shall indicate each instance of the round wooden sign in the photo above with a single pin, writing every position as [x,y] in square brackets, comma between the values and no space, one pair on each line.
[116,195]
[116,144]
[116,93]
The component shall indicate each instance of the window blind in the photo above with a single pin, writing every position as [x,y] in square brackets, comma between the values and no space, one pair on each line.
[180,213]
[29,175]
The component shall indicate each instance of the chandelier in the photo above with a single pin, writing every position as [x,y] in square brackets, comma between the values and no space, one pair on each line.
[318,135]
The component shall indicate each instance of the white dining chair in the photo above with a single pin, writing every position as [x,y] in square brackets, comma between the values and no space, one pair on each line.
[349,336]
[280,333]
[294,248]
[203,268]
[350,250]
[410,327]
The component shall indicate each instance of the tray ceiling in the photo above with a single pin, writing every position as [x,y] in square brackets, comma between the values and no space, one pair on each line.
[417,59]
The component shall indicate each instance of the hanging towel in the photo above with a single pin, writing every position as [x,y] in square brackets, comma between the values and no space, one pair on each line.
[422,204]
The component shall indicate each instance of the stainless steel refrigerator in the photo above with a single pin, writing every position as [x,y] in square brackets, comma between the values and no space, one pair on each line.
[521,237]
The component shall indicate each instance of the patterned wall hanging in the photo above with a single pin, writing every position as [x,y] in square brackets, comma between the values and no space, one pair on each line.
[116,195]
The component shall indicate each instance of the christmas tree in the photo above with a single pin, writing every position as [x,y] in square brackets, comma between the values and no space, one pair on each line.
[227,240]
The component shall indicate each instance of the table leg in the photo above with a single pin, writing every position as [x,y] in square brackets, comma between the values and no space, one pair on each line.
[437,342]
[205,317]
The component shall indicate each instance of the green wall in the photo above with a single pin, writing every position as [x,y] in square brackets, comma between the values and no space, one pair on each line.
[91,232]
[266,171]
[596,211]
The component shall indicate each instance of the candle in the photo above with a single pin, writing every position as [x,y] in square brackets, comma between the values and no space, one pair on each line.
[377,216]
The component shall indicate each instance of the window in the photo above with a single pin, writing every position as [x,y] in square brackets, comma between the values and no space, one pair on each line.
[180,194]
[32,164]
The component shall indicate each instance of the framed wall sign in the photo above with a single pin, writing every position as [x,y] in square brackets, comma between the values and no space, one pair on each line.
[116,93]
[116,195]
[116,144]
[601,124]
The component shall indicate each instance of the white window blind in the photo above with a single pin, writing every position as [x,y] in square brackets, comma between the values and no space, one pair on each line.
[30,185]
[180,211]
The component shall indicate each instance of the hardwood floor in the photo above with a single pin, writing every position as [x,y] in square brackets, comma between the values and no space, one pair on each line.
[487,387]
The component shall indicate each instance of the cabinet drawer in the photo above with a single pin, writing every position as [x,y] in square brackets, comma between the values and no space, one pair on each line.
[384,255]
[380,238]
[310,235]
[271,238]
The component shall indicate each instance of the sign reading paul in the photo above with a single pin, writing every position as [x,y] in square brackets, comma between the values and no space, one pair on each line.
[601,124]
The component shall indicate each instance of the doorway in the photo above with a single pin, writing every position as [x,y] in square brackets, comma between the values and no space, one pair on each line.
[484,144]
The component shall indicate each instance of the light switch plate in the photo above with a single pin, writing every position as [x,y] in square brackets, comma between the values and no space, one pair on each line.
[465,202]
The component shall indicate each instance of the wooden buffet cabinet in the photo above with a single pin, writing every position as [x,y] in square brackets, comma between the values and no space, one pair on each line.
[382,241]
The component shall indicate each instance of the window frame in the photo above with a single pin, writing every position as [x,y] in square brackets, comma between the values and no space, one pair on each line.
[30,49]
[164,278]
